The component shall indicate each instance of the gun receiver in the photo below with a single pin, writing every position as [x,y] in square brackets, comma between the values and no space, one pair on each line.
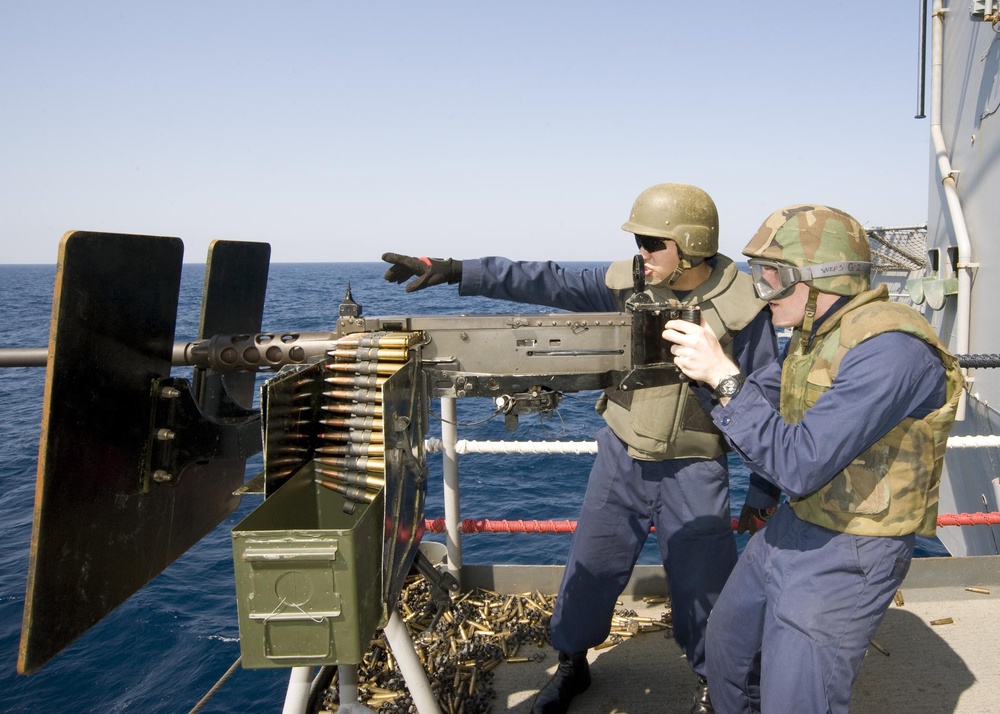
[480,355]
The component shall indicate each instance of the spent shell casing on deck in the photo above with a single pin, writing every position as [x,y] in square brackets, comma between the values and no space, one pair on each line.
[353,408]
[386,368]
[879,647]
[353,463]
[377,354]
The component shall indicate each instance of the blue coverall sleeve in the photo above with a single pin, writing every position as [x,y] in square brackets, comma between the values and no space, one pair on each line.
[538,283]
[871,394]
[755,348]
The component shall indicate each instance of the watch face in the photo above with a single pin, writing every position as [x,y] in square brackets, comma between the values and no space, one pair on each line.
[728,386]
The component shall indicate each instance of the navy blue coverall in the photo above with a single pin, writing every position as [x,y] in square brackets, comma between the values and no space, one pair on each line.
[687,500]
[793,623]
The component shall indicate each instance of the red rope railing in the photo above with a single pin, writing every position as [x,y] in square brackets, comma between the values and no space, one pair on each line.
[470,525]
[968,519]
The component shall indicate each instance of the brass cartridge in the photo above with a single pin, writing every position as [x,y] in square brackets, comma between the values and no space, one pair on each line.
[352,449]
[353,463]
[356,395]
[385,368]
[353,478]
[377,354]
[388,339]
[353,408]
[350,492]
[356,436]
[358,381]
[360,422]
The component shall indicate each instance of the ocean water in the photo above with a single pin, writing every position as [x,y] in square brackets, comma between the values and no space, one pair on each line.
[164,648]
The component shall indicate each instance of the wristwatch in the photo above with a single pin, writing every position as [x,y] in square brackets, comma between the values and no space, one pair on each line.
[728,386]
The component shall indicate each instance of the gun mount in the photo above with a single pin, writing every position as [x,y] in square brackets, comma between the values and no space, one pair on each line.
[137,465]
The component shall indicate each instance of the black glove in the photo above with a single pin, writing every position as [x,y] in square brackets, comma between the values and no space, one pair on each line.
[753,519]
[431,271]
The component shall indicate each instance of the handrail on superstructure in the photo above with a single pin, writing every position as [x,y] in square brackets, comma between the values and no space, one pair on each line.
[946,174]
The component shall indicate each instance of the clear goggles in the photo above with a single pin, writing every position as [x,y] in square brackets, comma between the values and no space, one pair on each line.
[773,280]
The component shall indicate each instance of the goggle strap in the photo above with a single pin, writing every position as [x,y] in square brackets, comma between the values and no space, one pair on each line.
[825,270]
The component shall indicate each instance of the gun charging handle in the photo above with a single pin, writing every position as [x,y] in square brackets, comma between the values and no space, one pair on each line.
[639,296]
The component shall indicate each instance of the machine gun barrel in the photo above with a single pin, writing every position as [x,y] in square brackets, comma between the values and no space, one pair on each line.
[221,353]
[462,355]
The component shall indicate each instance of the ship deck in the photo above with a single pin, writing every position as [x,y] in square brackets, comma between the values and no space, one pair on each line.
[915,667]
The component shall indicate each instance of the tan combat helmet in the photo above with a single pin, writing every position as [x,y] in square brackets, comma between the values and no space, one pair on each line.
[808,243]
[681,213]
[820,246]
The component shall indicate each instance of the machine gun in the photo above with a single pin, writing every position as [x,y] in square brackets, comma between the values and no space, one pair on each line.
[136,465]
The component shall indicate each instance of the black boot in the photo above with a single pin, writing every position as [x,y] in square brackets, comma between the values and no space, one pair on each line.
[702,702]
[572,677]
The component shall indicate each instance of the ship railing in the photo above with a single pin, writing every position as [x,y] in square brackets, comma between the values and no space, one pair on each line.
[451,446]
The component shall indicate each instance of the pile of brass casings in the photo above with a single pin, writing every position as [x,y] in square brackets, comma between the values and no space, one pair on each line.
[462,645]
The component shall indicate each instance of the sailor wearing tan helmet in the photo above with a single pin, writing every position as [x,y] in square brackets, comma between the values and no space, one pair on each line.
[661,462]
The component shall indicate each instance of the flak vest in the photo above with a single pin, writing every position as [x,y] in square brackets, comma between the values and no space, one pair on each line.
[669,422]
[891,489]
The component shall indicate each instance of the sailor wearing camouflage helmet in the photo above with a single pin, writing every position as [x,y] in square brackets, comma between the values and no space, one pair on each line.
[660,459]
[851,423]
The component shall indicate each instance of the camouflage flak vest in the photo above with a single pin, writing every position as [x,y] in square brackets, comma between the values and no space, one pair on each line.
[669,422]
[891,488]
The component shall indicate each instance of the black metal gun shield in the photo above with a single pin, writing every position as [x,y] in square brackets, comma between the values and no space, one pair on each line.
[97,536]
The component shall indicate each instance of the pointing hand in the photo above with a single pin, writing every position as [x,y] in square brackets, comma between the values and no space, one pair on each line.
[428,271]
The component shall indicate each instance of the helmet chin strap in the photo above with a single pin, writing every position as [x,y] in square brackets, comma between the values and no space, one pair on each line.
[807,320]
[683,263]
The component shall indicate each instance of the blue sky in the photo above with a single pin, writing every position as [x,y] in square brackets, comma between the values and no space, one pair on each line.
[339,130]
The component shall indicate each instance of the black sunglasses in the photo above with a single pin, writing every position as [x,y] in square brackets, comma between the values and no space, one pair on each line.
[650,245]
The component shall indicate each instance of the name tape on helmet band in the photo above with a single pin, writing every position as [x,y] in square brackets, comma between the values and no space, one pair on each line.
[826,270]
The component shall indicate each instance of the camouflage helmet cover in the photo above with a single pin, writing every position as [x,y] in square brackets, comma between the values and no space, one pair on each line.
[679,212]
[811,234]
